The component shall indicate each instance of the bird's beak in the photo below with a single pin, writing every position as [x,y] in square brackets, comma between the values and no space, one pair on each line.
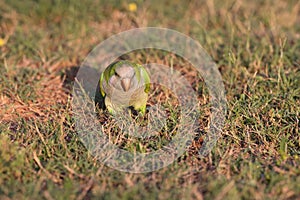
[125,83]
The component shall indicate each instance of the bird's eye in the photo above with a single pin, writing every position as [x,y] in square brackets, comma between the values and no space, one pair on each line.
[116,74]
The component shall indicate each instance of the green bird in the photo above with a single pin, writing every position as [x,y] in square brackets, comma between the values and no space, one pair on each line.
[124,84]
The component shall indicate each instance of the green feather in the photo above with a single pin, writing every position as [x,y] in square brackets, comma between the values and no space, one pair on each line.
[146,78]
[140,71]
[100,85]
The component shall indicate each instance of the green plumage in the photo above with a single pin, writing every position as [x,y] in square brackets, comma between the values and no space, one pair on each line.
[124,84]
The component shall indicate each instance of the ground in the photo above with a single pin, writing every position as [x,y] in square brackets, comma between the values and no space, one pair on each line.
[256,46]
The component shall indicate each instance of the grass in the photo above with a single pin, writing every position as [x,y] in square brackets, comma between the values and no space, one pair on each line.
[256,45]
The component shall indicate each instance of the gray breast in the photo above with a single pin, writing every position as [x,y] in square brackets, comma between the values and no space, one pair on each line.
[121,98]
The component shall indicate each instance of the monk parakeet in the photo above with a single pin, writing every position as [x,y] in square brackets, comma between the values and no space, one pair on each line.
[125,84]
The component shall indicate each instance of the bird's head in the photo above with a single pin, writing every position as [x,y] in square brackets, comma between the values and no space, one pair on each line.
[123,78]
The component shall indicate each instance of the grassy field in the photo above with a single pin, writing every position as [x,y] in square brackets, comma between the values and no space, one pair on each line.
[256,45]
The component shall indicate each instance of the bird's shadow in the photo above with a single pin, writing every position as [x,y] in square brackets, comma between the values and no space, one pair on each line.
[88,77]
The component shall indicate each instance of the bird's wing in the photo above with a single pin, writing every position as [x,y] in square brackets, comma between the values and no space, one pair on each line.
[101,84]
[146,78]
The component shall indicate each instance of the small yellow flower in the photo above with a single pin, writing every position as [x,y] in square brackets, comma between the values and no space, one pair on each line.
[132,7]
[2,42]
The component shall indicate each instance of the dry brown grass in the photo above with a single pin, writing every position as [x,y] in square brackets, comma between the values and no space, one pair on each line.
[255,44]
